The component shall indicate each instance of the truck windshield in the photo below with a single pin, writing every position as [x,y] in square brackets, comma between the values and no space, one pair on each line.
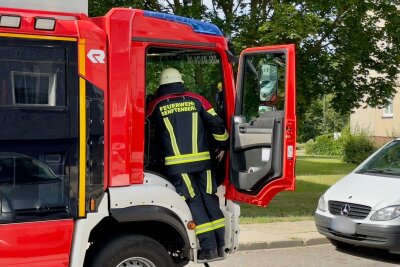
[386,162]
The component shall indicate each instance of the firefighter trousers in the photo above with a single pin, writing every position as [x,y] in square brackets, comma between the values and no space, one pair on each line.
[198,189]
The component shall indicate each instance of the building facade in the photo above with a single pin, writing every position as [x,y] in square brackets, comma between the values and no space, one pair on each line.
[381,124]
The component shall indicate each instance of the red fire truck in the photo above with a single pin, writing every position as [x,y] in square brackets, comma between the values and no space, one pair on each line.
[79,181]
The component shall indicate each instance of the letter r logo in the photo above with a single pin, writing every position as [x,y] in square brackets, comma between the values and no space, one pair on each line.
[96,56]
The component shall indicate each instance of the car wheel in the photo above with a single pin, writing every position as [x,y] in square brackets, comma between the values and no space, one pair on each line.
[340,245]
[132,250]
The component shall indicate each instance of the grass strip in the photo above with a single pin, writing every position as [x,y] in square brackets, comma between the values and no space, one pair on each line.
[314,176]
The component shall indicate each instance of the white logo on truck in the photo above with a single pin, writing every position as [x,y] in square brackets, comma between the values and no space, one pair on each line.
[96,56]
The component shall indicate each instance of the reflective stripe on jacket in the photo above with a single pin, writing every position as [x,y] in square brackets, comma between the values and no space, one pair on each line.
[182,121]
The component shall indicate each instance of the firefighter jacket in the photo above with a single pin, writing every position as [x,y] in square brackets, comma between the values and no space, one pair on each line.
[182,121]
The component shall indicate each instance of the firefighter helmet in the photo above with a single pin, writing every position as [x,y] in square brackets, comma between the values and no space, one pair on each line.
[219,86]
[170,75]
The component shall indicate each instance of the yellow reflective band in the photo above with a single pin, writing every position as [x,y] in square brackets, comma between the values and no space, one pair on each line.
[194,132]
[187,158]
[186,179]
[218,223]
[204,225]
[209,182]
[40,37]
[172,136]
[203,228]
[212,112]
[219,226]
[82,148]
[82,56]
[183,197]
[209,229]
[221,137]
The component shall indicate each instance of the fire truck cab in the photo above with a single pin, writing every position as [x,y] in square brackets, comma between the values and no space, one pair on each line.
[80,183]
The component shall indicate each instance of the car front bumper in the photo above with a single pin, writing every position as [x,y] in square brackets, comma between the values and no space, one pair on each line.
[368,235]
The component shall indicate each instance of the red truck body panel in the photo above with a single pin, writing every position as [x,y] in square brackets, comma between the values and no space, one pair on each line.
[36,244]
[129,34]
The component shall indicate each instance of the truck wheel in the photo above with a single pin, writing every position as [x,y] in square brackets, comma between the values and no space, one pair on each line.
[129,251]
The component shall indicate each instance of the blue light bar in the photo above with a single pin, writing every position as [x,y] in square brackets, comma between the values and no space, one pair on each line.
[198,26]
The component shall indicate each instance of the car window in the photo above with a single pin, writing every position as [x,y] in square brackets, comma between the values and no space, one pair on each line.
[386,162]
[20,170]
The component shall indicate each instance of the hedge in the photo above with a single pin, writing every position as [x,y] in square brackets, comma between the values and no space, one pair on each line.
[324,145]
[351,148]
[357,148]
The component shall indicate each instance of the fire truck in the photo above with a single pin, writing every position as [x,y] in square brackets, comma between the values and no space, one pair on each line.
[80,183]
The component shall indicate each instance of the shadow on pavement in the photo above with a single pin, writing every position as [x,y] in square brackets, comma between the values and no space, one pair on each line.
[372,254]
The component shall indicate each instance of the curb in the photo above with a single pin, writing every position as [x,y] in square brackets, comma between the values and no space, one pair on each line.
[283,244]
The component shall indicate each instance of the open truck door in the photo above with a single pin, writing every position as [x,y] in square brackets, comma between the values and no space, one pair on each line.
[263,129]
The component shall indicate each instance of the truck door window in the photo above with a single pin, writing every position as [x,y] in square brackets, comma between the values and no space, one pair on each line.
[264,84]
[39,133]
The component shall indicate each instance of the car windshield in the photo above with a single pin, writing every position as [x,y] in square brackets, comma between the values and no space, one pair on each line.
[386,162]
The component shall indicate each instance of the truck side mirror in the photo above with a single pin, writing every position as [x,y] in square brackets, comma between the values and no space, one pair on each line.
[268,85]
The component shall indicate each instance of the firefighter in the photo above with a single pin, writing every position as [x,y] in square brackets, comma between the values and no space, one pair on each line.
[219,99]
[183,120]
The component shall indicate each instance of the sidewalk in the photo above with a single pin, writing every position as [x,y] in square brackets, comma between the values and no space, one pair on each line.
[279,235]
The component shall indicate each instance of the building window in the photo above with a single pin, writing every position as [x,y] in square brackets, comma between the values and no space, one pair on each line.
[34,88]
[32,78]
[388,110]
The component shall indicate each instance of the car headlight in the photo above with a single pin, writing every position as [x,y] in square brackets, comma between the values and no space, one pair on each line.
[387,213]
[321,204]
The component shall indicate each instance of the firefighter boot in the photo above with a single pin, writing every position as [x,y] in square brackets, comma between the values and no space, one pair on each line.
[207,255]
[221,252]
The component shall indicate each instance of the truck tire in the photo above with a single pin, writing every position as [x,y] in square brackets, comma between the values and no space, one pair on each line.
[132,250]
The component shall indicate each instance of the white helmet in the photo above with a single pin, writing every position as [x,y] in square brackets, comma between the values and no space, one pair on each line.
[170,75]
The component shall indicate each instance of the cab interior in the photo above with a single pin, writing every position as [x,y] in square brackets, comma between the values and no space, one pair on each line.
[202,74]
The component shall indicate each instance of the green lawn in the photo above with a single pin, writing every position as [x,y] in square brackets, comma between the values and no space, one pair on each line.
[314,176]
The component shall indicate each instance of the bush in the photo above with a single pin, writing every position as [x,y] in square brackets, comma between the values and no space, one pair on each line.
[356,148]
[351,148]
[324,145]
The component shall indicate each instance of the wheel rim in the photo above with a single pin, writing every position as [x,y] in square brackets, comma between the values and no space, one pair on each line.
[136,262]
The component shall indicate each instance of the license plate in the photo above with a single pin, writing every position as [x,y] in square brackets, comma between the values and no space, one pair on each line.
[343,225]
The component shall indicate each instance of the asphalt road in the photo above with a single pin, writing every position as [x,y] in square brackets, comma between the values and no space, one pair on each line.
[323,255]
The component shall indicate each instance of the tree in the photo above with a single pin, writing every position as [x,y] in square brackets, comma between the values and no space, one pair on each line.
[348,50]
[101,7]
[340,44]
[189,8]
[321,118]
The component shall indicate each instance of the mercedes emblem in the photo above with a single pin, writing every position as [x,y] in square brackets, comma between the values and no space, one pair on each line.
[345,211]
